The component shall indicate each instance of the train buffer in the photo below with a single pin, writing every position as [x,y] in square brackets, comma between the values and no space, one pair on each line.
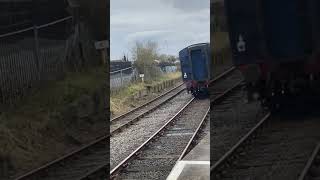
[195,165]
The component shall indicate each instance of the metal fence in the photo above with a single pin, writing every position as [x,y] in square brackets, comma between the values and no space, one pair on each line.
[122,78]
[31,56]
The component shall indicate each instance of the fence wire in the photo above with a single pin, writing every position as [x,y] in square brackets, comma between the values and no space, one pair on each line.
[124,77]
[30,56]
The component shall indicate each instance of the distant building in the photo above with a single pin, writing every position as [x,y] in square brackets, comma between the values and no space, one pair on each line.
[116,65]
[167,66]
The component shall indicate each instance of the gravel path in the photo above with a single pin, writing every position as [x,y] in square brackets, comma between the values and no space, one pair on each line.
[123,143]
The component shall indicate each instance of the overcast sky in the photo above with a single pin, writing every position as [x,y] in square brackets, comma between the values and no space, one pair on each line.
[174,24]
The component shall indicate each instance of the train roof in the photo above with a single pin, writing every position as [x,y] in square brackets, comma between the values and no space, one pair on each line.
[194,45]
[198,44]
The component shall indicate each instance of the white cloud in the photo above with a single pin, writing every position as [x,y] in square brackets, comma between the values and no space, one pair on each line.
[174,24]
[146,35]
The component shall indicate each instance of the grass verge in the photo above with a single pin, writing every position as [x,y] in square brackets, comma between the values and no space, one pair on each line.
[122,101]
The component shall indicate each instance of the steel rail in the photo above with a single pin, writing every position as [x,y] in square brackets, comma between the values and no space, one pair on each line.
[100,139]
[158,97]
[89,174]
[194,135]
[218,98]
[153,100]
[103,167]
[222,74]
[138,117]
[309,163]
[70,155]
[60,159]
[128,158]
[135,152]
[229,155]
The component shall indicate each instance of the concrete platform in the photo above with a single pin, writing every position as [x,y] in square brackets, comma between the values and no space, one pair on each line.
[195,165]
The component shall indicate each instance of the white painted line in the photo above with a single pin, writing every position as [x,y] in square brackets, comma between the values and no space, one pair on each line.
[177,128]
[176,171]
[179,134]
[197,162]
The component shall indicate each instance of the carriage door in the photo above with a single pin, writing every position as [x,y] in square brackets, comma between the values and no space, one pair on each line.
[199,65]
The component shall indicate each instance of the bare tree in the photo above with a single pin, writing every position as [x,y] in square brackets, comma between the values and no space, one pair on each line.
[163,58]
[144,55]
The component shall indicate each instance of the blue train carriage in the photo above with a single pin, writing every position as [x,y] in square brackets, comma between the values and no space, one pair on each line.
[195,68]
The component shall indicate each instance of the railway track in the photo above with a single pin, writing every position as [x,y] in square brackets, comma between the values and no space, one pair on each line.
[157,156]
[224,81]
[121,122]
[90,161]
[122,146]
[79,164]
[131,136]
[127,119]
[276,148]
[124,121]
[86,162]
[311,171]
[232,118]
[202,130]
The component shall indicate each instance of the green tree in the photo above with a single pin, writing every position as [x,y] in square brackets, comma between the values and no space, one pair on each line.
[144,54]
[163,58]
[172,58]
